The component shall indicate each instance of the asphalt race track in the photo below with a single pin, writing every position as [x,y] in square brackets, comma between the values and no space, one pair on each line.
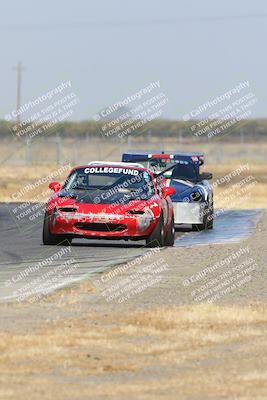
[229,226]
[21,247]
[24,260]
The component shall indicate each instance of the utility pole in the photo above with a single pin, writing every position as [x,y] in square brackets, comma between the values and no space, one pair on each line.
[19,68]
[242,135]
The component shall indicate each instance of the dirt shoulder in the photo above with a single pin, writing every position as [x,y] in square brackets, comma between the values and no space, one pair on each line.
[162,342]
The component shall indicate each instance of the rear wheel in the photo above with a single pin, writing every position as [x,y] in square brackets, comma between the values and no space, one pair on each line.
[49,238]
[210,217]
[199,227]
[207,219]
[170,237]
[156,238]
[210,224]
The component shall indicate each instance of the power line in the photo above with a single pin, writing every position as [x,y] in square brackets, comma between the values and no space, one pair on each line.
[132,23]
[19,68]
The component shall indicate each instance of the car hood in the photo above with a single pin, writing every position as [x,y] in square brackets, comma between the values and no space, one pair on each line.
[183,189]
[73,204]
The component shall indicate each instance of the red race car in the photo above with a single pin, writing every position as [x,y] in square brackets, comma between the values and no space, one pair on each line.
[110,201]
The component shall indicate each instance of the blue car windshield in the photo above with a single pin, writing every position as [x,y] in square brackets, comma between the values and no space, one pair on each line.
[185,172]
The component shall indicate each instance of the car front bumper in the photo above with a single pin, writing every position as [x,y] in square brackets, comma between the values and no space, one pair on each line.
[188,213]
[102,225]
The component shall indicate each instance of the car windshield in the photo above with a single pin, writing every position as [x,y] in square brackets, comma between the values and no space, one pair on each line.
[185,172]
[111,183]
[159,165]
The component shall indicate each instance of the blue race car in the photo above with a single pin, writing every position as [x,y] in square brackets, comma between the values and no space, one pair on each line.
[193,200]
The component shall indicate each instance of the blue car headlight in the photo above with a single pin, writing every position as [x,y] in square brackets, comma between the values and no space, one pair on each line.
[196,195]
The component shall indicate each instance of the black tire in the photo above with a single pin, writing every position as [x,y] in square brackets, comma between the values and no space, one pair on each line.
[156,238]
[204,225]
[210,223]
[199,227]
[170,237]
[52,240]
[207,219]
[210,217]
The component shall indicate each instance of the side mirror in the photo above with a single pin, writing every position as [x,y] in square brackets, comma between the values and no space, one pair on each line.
[168,191]
[55,186]
[206,176]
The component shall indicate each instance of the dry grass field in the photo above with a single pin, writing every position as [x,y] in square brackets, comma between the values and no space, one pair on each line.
[247,190]
[188,351]
[14,180]
[21,165]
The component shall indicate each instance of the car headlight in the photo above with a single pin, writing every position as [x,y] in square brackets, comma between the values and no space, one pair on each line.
[196,196]
[143,217]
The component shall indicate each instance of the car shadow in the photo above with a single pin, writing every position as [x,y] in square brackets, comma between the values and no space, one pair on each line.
[183,228]
[106,244]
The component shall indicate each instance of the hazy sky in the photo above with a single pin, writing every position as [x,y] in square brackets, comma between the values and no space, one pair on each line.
[110,49]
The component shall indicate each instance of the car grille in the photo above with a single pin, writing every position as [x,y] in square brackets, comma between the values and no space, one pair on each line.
[100,227]
[67,209]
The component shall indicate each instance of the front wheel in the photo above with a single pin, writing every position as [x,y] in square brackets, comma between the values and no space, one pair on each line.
[156,238]
[52,240]
[170,237]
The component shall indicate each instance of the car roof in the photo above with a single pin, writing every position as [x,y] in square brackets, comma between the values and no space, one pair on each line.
[117,163]
[160,152]
[132,156]
[112,164]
